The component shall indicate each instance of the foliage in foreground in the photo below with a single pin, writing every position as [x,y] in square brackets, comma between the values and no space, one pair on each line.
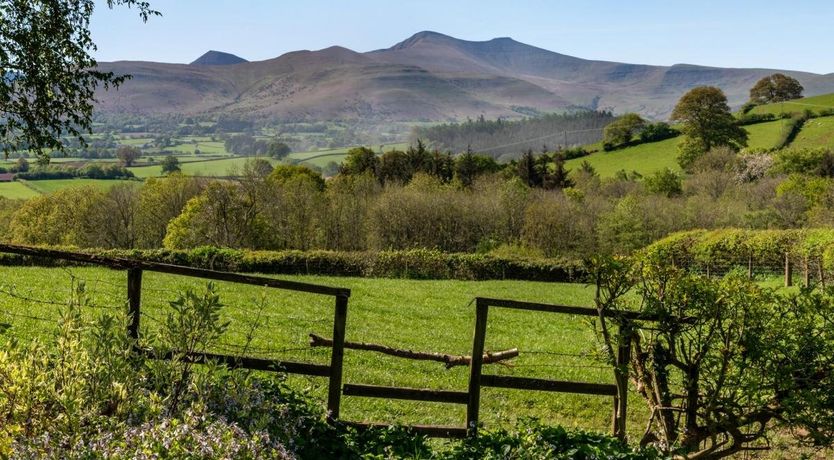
[87,395]
[726,362]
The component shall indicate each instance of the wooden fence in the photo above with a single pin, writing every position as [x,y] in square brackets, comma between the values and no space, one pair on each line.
[470,398]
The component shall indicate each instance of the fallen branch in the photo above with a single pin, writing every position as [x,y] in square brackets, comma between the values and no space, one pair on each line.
[449,360]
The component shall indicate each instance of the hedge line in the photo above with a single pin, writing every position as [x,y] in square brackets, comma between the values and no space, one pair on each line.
[413,264]
[728,247]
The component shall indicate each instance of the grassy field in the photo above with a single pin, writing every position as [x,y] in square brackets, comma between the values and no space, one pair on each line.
[420,315]
[643,158]
[816,132]
[16,190]
[764,135]
[654,156]
[825,101]
[219,167]
[53,185]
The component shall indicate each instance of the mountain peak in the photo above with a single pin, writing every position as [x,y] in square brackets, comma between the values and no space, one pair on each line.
[218,58]
[421,37]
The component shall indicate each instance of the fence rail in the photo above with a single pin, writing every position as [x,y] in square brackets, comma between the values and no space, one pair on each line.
[334,371]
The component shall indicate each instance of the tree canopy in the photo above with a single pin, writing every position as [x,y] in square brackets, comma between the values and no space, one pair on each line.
[49,77]
[775,88]
[623,130]
[707,122]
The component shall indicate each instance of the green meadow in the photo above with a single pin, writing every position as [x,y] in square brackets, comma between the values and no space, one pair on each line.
[419,315]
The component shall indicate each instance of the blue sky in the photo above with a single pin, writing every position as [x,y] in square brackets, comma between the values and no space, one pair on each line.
[796,35]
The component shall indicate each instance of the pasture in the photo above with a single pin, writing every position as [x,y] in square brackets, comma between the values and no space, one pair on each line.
[54,185]
[643,158]
[411,314]
[214,167]
[816,133]
[764,135]
[813,103]
[16,190]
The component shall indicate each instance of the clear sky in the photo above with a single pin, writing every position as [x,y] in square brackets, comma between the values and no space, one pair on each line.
[793,34]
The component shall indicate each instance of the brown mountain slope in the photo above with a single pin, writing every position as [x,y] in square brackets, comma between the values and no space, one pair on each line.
[429,76]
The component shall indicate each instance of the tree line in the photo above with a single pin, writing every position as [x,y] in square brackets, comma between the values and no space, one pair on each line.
[504,140]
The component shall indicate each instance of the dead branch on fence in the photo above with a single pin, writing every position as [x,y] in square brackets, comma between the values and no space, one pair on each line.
[449,360]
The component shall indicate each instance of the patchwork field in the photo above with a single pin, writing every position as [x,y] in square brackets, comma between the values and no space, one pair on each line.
[816,132]
[815,103]
[764,135]
[53,185]
[643,158]
[216,167]
[419,315]
[16,190]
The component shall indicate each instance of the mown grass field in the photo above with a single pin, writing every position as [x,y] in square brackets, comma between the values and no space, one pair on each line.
[53,185]
[654,156]
[16,190]
[815,103]
[217,167]
[816,132]
[764,135]
[643,158]
[420,315]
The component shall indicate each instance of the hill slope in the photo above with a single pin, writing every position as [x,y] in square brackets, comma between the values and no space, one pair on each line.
[429,76]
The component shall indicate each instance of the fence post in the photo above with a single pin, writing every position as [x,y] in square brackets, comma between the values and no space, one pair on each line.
[788,271]
[621,379]
[334,390]
[134,300]
[750,267]
[472,408]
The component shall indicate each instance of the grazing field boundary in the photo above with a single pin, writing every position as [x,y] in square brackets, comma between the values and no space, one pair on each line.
[334,370]
[409,264]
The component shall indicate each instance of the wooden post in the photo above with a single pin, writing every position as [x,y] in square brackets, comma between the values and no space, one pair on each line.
[788,271]
[334,390]
[472,408]
[621,379]
[134,300]
[750,267]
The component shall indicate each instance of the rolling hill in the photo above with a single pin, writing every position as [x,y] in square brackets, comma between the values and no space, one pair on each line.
[429,77]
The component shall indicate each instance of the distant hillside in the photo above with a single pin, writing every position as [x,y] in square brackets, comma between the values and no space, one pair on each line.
[218,58]
[428,77]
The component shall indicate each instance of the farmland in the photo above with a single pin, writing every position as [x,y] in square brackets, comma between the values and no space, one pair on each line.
[653,156]
[419,315]
[816,132]
[814,103]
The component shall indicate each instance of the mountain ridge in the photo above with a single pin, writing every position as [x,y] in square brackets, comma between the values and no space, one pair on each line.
[429,76]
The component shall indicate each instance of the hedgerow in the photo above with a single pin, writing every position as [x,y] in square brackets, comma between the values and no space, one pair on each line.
[411,264]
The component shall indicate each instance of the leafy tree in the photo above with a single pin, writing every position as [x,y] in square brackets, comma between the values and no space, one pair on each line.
[277,149]
[48,76]
[22,165]
[128,154]
[161,199]
[283,174]
[746,360]
[622,130]
[170,164]
[775,88]
[707,123]
[664,182]
[360,160]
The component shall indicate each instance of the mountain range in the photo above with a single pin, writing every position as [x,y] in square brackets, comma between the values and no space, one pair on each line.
[428,77]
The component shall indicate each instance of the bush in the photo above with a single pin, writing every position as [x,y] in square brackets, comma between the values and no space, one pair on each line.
[532,440]
[414,263]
